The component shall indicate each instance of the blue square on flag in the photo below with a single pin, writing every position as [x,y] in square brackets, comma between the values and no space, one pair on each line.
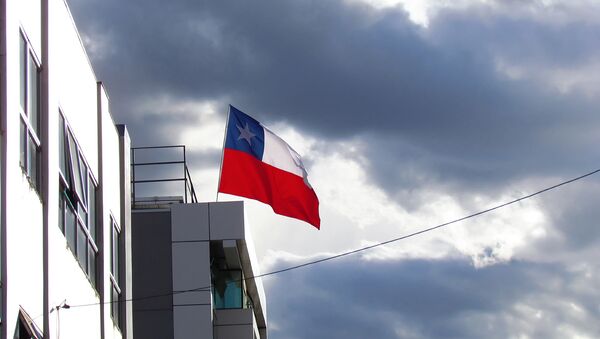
[245,134]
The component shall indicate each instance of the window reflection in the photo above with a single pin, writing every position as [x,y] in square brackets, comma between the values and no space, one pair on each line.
[227,290]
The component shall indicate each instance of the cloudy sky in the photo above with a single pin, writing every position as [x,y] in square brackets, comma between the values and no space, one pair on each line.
[408,114]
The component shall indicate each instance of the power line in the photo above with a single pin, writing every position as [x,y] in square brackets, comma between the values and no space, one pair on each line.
[361,249]
[430,228]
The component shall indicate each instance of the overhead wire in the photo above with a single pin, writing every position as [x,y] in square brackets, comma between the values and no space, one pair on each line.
[365,248]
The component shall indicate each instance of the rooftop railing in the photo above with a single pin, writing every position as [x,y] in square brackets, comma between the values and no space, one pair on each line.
[159,176]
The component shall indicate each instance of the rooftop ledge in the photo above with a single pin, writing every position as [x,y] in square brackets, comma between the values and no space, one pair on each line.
[156,202]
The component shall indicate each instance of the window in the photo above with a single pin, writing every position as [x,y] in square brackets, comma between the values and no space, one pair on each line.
[115,275]
[77,201]
[228,283]
[26,327]
[29,92]
[227,289]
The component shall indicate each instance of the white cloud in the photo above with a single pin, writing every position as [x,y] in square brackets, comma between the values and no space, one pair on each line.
[356,213]
[417,10]
[98,45]
[208,132]
[582,78]
[421,12]
[203,127]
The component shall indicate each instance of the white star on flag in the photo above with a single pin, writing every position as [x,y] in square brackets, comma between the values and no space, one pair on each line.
[245,133]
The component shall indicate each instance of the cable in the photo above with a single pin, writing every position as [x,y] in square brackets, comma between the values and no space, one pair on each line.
[344,254]
[168,294]
[430,228]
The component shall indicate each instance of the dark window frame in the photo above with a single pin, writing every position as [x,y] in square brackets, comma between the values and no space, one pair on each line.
[116,257]
[26,327]
[74,211]
[30,143]
[228,280]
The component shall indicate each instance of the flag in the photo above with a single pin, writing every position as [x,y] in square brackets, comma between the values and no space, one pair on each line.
[259,165]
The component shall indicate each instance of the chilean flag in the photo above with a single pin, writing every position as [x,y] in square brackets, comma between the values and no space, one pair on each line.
[259,165]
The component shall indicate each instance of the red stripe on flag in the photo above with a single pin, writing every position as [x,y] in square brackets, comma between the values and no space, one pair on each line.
[246,176]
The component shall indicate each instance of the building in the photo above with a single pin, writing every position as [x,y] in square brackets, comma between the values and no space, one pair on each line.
[64,175]
[193,267]
[66,261]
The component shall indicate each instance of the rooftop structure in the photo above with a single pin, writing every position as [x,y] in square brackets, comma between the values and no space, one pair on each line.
[193,269]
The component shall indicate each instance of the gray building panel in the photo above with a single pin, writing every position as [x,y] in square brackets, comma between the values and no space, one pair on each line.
[190,222]
[227,220]
[193,322]
[152,262]
[234,324]
[191,271]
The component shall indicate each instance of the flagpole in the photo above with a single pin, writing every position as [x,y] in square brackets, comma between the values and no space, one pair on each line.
[223,151]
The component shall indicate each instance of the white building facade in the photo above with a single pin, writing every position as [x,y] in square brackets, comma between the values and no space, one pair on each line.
[64,183]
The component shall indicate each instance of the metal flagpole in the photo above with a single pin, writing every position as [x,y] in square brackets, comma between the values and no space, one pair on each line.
[223,151]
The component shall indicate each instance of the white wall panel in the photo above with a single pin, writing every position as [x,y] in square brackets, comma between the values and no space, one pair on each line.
[73,81]
[72,88]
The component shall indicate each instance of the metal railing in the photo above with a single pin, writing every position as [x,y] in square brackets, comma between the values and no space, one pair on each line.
[189,194]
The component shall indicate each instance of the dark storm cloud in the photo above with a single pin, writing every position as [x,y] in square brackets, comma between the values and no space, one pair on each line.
[532,38]
[574,216]
[428,299]
[433,111]
[341,70]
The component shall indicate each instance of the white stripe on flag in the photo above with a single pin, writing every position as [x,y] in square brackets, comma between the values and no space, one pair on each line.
[279,154]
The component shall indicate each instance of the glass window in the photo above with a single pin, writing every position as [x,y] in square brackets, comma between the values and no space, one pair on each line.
[23,72]
[33,162]
[115,253]
[92,209]
[23,146]
[84,179]
[62,160]
[82,247]
[91,258]
[26,327]
[82,213]
[33,102]
[70,225]
[115,243]
[227,289]
[29,94]
[75,172]
[61,210]
[79,196]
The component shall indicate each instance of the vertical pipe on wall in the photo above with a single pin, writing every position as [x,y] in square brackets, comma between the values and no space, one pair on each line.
[100,213]
[45,185]
[3,109]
